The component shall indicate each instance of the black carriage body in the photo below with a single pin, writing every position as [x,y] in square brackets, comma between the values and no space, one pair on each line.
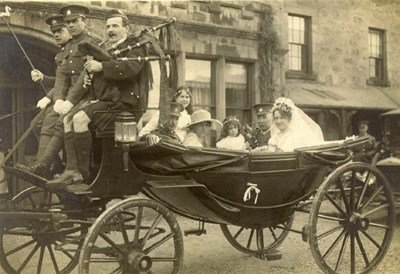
[228,187]
[388,158]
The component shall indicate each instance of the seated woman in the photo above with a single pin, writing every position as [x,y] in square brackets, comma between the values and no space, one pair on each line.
[291,128]
[200,128]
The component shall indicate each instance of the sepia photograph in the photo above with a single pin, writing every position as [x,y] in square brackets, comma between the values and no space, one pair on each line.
[199,137]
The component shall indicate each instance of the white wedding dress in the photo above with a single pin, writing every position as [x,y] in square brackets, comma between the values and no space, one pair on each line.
[302,131]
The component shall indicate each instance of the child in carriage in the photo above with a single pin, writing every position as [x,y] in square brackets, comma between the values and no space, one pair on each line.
[232,136]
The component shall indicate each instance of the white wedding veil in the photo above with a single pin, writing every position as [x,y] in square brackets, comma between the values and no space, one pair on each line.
[302,130]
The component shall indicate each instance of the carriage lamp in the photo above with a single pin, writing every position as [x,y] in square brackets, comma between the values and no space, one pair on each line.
[125,134]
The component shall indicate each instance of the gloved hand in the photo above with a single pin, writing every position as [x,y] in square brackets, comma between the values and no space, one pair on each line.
[37,75]
[65,107]
[42,103]
[57,106]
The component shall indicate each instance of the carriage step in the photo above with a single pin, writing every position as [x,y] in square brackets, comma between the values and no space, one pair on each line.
[197,232]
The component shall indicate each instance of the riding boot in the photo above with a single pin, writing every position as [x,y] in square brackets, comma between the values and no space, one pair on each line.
[83,144]
[71,174]
[43,142]
[42,167]
[70,150]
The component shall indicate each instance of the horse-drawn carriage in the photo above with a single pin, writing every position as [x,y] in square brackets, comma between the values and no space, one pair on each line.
[252,197]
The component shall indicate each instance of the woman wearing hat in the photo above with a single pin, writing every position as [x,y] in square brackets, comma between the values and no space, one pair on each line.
[182,96]
[200,128]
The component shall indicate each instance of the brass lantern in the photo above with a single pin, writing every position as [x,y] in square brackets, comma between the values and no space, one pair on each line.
[125,128]
[125,134]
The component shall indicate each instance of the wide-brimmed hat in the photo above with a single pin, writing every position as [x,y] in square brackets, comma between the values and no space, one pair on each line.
[202,115]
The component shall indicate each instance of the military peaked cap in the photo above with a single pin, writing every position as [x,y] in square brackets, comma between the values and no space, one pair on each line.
[56,22]
[176,109]
[72,12]
[262,109]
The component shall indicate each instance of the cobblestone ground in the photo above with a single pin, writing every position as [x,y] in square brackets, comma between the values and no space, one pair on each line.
[211,253]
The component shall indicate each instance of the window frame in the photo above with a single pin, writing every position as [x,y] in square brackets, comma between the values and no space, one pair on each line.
[307,73]
[383,80]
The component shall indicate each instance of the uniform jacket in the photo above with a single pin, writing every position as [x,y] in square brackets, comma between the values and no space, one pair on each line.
[258,138]
[71,65]
[49,81]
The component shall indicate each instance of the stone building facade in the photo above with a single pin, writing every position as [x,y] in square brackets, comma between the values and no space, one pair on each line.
[327,72]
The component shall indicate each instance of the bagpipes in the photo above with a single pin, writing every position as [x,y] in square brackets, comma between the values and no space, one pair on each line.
[168,83]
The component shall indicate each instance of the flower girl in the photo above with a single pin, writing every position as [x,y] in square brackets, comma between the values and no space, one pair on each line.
[231,135]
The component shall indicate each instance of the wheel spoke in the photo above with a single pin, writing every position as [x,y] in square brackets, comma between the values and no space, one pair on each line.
[238,232]
[250,238]
[371,239]
[329,232]
[160,259]
[379,225]
[341,253]
[260,239]
[28,258]
[123,228]
[39,266]
[273,233]
[334,244]
[346,203]
[137,228]
[352,254]
[19,248]
[150,231]
[376,209]
[67,254]
[110,242]
[364,254]
[53,258]
[376,192]
[363,191]
[33,204]
[157,244]
[331,218]
[117,270]
[353,182]
[335,204]
[103,260]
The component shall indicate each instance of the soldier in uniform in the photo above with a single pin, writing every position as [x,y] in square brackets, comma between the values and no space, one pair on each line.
[260,136]
[45,127]
[366,152]
[166,132]
[66,76]
[132,83]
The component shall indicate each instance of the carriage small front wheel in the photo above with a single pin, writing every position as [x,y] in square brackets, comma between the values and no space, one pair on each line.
[352,220]
[257,241]
[135,235]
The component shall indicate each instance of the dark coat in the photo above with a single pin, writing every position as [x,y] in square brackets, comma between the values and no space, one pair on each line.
[131,77]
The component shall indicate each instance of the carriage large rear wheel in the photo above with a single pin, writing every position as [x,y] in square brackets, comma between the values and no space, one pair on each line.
[257,241]
[133,236]
[352,219]
[37,247]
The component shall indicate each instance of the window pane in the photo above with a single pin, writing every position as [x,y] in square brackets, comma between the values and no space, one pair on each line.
[298,44]
[376,63]
[198,78]
[236,91]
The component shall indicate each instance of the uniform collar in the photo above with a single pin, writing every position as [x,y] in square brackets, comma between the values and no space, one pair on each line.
[81,36]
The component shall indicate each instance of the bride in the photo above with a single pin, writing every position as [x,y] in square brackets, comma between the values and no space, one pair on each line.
[291,128]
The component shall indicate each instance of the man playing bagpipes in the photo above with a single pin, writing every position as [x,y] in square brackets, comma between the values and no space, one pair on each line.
[107,83]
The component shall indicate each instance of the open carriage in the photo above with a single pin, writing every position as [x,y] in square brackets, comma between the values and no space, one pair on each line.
[252,197]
